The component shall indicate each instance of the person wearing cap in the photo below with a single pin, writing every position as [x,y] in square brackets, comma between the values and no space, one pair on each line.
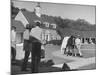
[70,45]
[26,47]
[13,43]
[36,39]
[78,45]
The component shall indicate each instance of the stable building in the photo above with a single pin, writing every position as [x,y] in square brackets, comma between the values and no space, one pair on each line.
[87,37]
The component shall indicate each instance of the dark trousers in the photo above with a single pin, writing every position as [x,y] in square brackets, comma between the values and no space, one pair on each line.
[65,51]
[24,64]
[13,53]
[35,57]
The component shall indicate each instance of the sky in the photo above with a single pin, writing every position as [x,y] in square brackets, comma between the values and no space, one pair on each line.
[69,11]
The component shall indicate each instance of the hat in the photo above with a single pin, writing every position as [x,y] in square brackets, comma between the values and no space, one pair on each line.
[38,24]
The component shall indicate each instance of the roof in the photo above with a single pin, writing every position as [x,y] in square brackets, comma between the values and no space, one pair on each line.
[88,34]
[85,34]
[31,17]
[53,32]
[19,26]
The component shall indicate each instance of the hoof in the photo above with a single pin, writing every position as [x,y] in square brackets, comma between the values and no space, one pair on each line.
[79,55]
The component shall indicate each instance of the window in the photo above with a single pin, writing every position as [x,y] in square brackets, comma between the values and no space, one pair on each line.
[46,24]
[54,25]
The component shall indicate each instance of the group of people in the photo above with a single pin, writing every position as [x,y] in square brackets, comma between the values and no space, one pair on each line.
[32,44]
[71,46]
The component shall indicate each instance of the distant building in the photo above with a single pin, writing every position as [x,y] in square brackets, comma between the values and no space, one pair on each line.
[87,37]
[48,24]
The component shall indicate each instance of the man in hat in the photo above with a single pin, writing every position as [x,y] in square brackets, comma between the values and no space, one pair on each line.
[26,47]
[13,43]
[35,38]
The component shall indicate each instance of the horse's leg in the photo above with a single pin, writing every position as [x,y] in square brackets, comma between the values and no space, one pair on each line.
[64,50]
[73,52]
[75,48]
[79,50]
[68,50]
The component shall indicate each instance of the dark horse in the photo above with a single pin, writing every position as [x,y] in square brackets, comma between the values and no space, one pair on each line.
[70,46]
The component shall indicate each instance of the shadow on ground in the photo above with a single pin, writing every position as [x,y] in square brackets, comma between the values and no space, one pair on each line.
[45,67]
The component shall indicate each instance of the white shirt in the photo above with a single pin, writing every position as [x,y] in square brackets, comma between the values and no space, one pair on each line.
[13,36]
[36,33]
[26,34]
[77,41]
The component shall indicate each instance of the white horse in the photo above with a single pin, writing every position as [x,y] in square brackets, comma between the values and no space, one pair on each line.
[64,43]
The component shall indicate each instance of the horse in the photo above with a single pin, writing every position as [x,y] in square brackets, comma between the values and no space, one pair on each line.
[64,43]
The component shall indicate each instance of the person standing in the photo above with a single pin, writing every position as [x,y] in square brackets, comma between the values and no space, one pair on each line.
[13,43]
[35,38]
[70,45]
[26,48]
[78,46]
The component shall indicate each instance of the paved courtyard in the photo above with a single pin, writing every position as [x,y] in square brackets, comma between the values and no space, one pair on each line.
[53,53]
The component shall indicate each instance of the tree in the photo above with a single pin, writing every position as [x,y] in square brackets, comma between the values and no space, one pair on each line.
[59,22]
[14,10]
